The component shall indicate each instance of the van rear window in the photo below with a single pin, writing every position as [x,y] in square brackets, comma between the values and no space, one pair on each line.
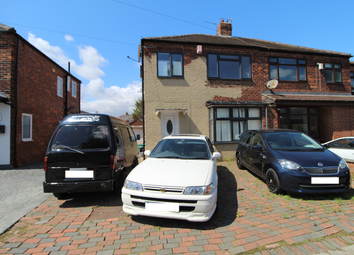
[81,137]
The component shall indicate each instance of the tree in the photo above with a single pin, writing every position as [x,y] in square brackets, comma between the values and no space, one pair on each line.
[138,110]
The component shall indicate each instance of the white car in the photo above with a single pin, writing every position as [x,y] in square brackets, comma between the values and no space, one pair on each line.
[178,180]
[343,147]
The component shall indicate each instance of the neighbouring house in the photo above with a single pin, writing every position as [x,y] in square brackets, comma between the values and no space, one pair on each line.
[220,85]
[35,95]
[137,126]
[126,117]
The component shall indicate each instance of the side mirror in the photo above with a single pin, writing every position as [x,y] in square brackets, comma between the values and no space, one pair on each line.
[138,137]
[257,148]
[216,155]
[147,153]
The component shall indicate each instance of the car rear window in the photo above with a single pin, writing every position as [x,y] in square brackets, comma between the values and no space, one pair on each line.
[81,137]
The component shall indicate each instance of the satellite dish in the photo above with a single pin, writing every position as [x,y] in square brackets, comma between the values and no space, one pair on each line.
[272,84]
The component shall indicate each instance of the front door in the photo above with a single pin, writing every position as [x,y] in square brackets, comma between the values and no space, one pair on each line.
[169,124]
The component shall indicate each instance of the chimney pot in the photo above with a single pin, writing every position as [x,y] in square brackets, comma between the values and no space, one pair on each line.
[225,28]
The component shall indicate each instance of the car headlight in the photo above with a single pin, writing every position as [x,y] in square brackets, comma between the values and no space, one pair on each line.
[289,165]
[200,190]
[343,165]
[133,185]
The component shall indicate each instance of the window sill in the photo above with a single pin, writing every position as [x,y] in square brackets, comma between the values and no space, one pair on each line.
[229,79]
[170,77]
[334,83]
[304,81]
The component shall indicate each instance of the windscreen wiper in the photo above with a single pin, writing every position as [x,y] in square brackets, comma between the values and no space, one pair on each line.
[171,157]
[61,146]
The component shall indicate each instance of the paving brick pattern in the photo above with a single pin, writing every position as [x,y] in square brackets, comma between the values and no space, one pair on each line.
[249,220]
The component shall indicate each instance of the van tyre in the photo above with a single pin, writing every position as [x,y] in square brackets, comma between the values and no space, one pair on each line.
[61,195]
[273,182]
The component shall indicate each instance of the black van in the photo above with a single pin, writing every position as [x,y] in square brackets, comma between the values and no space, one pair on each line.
[89,153]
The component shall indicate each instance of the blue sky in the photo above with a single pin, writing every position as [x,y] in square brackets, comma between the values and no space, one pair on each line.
[97,36]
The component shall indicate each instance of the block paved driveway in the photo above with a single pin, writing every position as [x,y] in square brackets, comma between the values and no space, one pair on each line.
[249,220]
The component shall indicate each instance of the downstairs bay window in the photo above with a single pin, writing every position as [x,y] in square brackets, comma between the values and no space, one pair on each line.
[227,123]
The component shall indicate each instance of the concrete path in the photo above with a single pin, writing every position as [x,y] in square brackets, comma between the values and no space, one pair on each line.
[21,191]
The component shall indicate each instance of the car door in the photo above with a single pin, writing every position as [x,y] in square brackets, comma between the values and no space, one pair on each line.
[256,153]
[344,148]
[244,148]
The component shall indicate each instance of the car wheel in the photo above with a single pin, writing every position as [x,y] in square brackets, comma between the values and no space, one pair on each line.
[273,182]
[60,195]
[239,161]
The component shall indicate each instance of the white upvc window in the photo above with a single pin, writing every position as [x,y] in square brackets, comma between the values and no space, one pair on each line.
[60,86]
[74,89]
[26,127]
[68,83]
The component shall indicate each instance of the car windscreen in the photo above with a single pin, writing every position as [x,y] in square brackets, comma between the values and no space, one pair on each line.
[81,137]
[181,148]
[291,141]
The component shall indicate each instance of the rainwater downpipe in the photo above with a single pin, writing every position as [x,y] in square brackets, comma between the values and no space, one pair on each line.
[66,92]
[15,94]
[142,91]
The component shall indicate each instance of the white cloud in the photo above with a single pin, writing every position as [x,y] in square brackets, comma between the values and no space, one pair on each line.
[91,63]
[113,101]
[95,97]
[69,38]
[54,52]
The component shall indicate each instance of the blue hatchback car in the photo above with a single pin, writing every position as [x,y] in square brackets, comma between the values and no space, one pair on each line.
[290,160]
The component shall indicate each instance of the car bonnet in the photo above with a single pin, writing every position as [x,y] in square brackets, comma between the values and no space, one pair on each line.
[309,158]
[172,172]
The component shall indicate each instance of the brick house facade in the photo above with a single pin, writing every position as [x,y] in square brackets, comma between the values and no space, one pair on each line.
[35,95]
[217,86]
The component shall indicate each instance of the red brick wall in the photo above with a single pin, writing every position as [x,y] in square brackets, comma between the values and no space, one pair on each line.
[36,95]
[7,61]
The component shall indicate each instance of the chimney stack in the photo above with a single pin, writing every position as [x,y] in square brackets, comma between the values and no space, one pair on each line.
[225,28]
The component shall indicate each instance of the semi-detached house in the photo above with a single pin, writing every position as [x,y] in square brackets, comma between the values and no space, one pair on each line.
[216,85]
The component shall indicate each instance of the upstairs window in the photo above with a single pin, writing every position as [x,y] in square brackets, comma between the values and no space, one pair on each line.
[287,69]
[74,89]
[60,87]
[68,83]
[333,72]
[26,127]
[169,64]
[233,67]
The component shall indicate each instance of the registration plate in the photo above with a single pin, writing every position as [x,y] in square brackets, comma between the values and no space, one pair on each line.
[79,173]
[324,180]
[161,207]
